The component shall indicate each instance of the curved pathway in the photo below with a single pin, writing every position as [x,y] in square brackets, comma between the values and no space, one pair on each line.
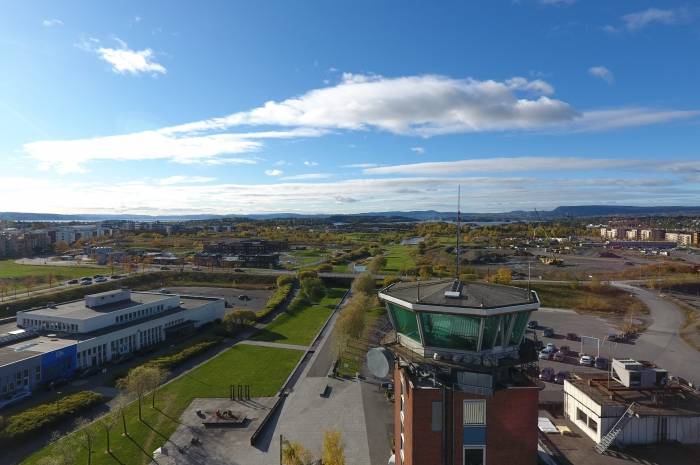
[661,342]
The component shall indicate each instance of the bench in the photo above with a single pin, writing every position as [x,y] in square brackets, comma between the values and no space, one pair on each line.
[326,391]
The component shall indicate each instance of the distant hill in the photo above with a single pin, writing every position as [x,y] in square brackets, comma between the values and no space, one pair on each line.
[578,211]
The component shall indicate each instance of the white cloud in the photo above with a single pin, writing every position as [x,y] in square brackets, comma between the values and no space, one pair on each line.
[502,164]
[601,72]
[418,150]
[307,176]
[352,195]
[425,105]
[52,22]
[127,61]
[274,172]
[641,19]
[360,165]
[310,163]
[180,179]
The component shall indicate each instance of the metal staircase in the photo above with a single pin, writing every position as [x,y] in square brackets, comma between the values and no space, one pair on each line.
[609,438]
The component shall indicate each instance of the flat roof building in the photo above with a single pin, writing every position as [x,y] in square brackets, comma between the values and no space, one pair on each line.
[104,327]
[636,404]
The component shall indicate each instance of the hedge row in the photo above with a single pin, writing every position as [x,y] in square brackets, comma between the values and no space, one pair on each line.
[353,255]
[168,362]
[276,299]
[46,415]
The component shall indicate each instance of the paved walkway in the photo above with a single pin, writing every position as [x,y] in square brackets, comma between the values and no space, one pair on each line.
[274,345]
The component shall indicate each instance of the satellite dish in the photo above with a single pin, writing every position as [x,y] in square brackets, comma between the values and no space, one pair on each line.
[379,361]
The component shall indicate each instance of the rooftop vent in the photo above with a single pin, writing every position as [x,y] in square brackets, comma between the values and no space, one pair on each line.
[455,291]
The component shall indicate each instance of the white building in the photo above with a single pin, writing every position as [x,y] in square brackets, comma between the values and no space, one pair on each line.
[70,234]
[635,405]
[107,325]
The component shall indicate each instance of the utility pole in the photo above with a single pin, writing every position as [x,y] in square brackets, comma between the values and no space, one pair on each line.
[459,226]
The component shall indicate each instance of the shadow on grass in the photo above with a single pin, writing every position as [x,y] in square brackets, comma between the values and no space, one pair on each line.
[128,436]
[175,420]
[115,458]
[266,335]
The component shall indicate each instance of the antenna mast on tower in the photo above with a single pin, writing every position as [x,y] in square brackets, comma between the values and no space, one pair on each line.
[459,226]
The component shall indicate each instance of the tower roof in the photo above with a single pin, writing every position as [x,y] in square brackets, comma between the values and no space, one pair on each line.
[452,293]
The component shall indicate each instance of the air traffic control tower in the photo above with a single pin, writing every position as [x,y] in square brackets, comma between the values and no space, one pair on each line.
[459,355]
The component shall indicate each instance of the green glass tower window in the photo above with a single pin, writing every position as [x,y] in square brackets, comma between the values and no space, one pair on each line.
[450,331]
[490,329]
[519,327]
[405,321]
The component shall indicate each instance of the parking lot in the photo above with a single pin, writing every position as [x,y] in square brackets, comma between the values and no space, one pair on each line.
[257,297]
[660,344]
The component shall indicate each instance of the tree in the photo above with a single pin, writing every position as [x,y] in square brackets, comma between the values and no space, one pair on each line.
[364,283]
[65,451]
[377,263]
[333,452]
[389,280]
[307,274]
[425,272]
[294,453]
[61,247]
[140,380]
[284,279]
[108,422]
[237,319]
[50,278]
[84,430]
[312,288]
[503,276]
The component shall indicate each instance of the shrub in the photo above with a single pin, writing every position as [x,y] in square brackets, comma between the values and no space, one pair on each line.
[285,279]
[170,361]
[324,268]
[46,415]
[276,299]
[389,280]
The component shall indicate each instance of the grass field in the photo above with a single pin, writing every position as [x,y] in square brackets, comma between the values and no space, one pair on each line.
[605,299]
[398,258]
[263,368]
[301,327]
[15,277]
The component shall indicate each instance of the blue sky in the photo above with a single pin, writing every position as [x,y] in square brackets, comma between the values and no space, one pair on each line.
[317,106]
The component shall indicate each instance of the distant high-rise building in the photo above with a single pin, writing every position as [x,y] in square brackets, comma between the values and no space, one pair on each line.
[459,359]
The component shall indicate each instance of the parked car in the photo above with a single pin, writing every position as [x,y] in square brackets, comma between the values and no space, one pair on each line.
[545,355]
[73,281]
[572,337]
[117,276]
[86,278]
[586,360]
[243,297]
[14,397]
[196,268]
[238,270]
[86,282]
[164,268]
[547,374]
[561,376]
[101,279]
[164,291]
[601,362]
[97,276]
[532,324]
[551,347]
[565,349]
[548,332]
[559,356]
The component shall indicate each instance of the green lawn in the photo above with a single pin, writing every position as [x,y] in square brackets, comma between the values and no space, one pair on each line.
[398,258]
[301,326]
[263,368]
[15,277]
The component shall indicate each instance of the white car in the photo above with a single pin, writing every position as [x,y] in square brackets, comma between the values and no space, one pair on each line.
[586,360]
[551,347]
